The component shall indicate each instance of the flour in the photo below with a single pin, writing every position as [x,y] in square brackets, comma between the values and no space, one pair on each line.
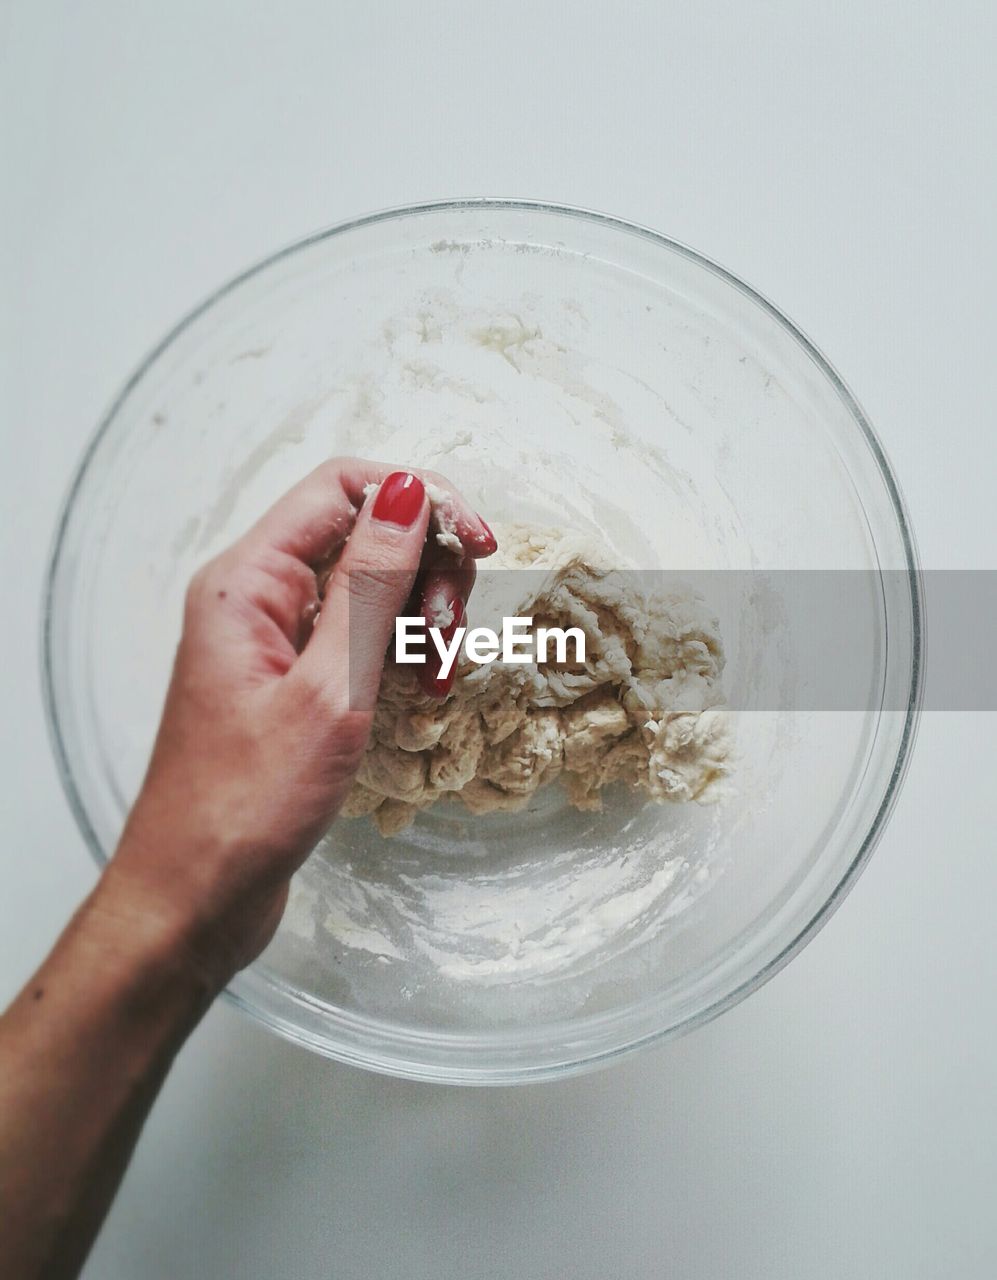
[525,939]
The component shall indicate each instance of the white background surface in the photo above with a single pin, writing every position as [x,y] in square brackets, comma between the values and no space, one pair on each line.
[840,1125]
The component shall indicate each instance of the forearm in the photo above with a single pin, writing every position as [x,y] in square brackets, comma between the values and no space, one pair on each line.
[83,1052]
[266,722]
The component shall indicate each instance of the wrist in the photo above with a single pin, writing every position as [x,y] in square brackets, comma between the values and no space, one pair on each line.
[117,988]
[148,940]
[208,920]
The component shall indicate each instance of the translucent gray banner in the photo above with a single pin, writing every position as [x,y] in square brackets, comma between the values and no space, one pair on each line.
[783,640]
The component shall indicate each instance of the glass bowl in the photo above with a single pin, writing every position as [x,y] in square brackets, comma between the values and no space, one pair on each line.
[565,367]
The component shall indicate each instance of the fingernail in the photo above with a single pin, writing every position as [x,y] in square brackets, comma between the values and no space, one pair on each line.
[399,499]
[432,682]
[489,543]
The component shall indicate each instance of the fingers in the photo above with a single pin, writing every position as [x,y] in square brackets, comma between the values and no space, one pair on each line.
[250,614]
[367,590]
[314,517]
[262,593]
[442,591]
[312,520]
[454,513]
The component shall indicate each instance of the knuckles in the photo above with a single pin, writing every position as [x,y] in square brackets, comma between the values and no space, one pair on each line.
[378,581]
[207,582]
[274,575]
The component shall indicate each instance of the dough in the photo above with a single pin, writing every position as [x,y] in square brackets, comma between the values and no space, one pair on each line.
[645,709]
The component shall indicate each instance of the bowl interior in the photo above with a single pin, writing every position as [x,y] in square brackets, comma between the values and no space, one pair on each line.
[566,369]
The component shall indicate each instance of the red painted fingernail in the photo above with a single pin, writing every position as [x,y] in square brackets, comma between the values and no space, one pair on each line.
[489,543]
[429,673]
[399,499]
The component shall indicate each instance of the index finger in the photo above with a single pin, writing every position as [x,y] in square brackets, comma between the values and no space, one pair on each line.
[314,519]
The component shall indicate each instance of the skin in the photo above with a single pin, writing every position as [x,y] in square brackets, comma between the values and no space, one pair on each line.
[266,720]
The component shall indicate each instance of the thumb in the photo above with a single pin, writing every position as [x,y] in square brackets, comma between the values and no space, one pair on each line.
[367,590]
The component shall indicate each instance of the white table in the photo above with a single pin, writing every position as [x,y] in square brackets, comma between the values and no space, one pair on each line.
[840,1125]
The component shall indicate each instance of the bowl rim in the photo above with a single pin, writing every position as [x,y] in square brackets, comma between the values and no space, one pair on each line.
[399,1063]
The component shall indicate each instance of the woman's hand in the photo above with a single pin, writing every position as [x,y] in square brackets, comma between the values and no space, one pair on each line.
[267,716]
[265,722]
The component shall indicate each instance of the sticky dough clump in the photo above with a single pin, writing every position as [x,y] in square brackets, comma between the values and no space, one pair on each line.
[644,709]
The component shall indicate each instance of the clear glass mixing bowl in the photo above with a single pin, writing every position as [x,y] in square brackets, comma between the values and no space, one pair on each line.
[559,366]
